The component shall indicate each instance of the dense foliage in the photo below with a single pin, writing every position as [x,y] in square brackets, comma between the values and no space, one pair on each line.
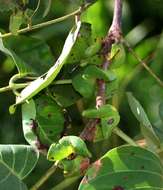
[81,97]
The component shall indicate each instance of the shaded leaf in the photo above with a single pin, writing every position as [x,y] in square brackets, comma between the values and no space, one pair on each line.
[64,95]
[32,55]
[66,146]
[83,84]
[43,121]
[15,22]
[47,7]
[8,5]
[125,167]
[141,116]
[16,162]
[49,118]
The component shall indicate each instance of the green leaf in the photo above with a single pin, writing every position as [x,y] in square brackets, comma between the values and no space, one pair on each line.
[31,56]
[125,167]
[43,121]
[83,84]
[118,55]
[15,22]
[111,88]
[83,41]
[16,162]
[28,118]
[141,116]
[161,110]
[50,120]
[8,5]
[108,124]
[64,95]
[47,7]
[93,71]
[66,146]
[105,111]
[43,81]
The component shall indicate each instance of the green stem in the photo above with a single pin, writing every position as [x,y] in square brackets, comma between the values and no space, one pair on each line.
[45,177]
[67,182]
[125,137]
[68,81]
[142,62]
[43,24]
[6,88]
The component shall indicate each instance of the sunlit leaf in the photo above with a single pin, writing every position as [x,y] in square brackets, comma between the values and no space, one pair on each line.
[66,146]
[124,168]
[16,162]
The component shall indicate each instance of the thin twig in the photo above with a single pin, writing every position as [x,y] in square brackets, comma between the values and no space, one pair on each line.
[45,177]
[125,137]
[130,49]
[66,183]
[43,24]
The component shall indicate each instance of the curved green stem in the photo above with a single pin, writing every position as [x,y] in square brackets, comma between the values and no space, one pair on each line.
[125,137]
[65,183]
[43,24]
[45,177]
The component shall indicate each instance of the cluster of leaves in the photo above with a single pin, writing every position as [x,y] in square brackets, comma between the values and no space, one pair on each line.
[47,103]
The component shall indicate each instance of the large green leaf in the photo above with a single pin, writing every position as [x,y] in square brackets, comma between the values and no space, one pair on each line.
[50,120]
[142,117]
[43,121]
[31,55]
[16,162]
[43,81]
[125,168]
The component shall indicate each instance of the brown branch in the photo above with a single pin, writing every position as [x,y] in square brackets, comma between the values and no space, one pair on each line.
[114,36]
